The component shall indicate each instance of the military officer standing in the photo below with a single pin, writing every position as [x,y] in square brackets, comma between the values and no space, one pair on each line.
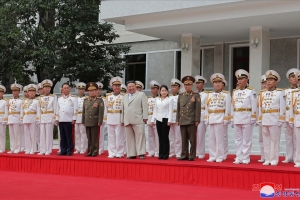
[201,129]
[294,122]
[271,117]
[14,119]
[243,111]
[25,96]
[153,142]
[30,114]
[3,118]
[175,134]
[261,144]
[188,117]
[217,115]
[92,118]
[116,132]
[289,132]
[225,128]
[66,117]
[139,86]
[48,104]
[102,127]
[80,134]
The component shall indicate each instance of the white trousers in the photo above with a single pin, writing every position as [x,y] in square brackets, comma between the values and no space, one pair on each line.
[243,141]
[15,131]
[116,140]
[2,137]
[30,137]
[153,142]
[200,147]
[297,144]
[22,139]
[80,138]
[261,144]
[216,141]
[225,141]
[46,138]
[271,140]
[38,134]
[290,142]
[101,138]
[175,140]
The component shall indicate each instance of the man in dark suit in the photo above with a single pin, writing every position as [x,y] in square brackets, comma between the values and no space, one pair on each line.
[188,117]
[92,118]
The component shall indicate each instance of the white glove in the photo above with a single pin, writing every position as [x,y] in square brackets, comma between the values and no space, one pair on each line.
[280,124]
[37,123]
[252,122]
[20,122]
[226,123]
[232,124]
[291,125]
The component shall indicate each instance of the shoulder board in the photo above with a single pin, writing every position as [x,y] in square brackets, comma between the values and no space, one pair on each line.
[250,88]
[225,91]
[279,89]
[41,95]
[149,96]
[296,90]
[5,99]
[107,94]
[170,95]
[103,97]
[52,95]
[37,98]
[263,90]
[206,91]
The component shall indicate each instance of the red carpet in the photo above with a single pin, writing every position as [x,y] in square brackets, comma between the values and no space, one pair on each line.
[198,172]
[16,185]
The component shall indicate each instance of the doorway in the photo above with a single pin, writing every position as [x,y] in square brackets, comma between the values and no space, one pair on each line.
[240,60]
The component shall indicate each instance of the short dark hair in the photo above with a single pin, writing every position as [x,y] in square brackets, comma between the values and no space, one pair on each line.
[131,81]
[163,86]
[66,83]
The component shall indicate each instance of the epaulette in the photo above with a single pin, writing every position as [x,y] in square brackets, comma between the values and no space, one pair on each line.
[41,95]
[52,95]
[37,98]
[263,90]
[250,88]
[296,90]
[103,97]
[279,89]
[225,91]
[149,96]
[107,94]
[206,91]
[170,95]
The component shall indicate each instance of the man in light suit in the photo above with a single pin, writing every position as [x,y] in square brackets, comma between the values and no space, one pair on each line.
[134,117]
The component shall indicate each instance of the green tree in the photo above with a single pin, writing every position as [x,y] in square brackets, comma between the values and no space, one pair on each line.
[64,38]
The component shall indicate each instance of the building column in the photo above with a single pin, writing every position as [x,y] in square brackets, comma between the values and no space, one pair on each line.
[219,58]
[259,60]
[190,57]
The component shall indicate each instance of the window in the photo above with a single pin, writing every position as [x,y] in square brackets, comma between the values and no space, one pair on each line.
[201,61]
[136,68]
[178,65]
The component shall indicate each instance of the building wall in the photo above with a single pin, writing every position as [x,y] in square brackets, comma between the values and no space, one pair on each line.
[208,65]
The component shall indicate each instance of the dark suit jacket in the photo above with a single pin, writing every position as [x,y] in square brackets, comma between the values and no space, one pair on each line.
[92,111]
[188,108]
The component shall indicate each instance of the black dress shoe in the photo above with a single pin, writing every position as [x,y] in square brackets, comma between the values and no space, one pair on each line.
[94,154]
[182,158]
[88,154]
[131,157]
[61,154]
[165,158]
[160,158]
[69,154]
[191,159]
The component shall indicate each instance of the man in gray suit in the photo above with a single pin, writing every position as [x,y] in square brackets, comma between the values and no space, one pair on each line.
[134,117]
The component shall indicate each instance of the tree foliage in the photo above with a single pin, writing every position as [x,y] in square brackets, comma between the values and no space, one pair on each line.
[58,38]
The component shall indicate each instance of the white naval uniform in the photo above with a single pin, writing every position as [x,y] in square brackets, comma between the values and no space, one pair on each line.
[102,129]
[289,130]
[31,117]
[153,141]
[217,115]
[243,111]
[175,133]
[80,131]
[260,135]
[3,121]
[294,118]
[48,106]
[15,124]
[116,132]
[201,129]
[271,116]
